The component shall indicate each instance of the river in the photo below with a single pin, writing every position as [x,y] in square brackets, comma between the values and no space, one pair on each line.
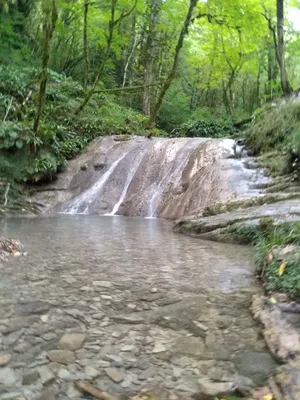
[149,308]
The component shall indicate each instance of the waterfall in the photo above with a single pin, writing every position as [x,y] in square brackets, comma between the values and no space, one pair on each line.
[88,196]
[161,177]
[129,179]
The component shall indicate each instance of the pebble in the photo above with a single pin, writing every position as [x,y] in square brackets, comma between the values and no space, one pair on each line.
[64,375]
[105,297]
[114,374]
[158,348]
[12,396]
[71,341]
[30,376]
[105,284]
[90,372]
[4,359]
[61,356]
[130,319]
[127,347]
[116,361]
[46,375]
[7,377]
[99,316]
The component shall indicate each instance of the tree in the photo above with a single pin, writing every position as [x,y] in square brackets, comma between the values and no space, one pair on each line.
[280,48]
[50,16]
[172,74]
[113,23]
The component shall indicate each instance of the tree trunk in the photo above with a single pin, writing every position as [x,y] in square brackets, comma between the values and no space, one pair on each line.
[131,53]
[150,55]
[50,18]
[85,44]
[172,74]
[285,85]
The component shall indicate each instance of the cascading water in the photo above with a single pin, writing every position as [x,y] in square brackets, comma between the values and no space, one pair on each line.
[80,204]
[165,178]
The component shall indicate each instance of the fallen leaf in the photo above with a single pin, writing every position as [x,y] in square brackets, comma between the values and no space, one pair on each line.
[268,396]
[273,300]
[282,268]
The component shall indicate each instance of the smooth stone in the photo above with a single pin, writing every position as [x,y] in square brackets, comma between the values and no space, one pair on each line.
[129,319]
[127,382]
[65,375]
[255,365]
[198,329]
[116,361]
[114,374]
[105,284]
[158,348]
[105,297]
[4,359]
[143,362]
[127,347]
[148,340]
[46,375]
[32,307]
[30,376]
[90,372]
[153,290]
[12,396]
[7,377]
[99,316]
[145,375]
[47,394]
[61,356]
[212,388]
[71,341]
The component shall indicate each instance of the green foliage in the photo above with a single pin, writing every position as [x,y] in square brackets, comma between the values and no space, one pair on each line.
[275,133]
[205,129]
[28,157]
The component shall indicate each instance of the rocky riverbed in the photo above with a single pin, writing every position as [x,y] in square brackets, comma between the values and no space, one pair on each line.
[94,300]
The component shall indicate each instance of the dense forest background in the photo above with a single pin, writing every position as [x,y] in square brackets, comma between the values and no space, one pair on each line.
[73,69]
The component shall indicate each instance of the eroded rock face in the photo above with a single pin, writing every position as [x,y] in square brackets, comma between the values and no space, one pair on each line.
[168,178]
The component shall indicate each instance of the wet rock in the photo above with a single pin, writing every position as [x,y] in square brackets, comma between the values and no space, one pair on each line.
[71,341]
[128,347]
[99,316]
[255,365]
[7,377]
[12,396]
[61,356]
[46,375]
[4,359]
[212,388]
[116,361]
[102,284]
[91,373]
[143,362]
[145,375]
[189,346]
[127,382]
[47,394]
[32,307]
[65,375]
[30,376]
[128,319]
[159,348]
[198,329]
[114,374]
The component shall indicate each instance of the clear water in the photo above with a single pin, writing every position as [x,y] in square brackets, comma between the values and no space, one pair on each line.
[137,258]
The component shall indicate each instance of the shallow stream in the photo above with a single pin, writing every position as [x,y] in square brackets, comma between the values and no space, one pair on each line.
[154,309]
